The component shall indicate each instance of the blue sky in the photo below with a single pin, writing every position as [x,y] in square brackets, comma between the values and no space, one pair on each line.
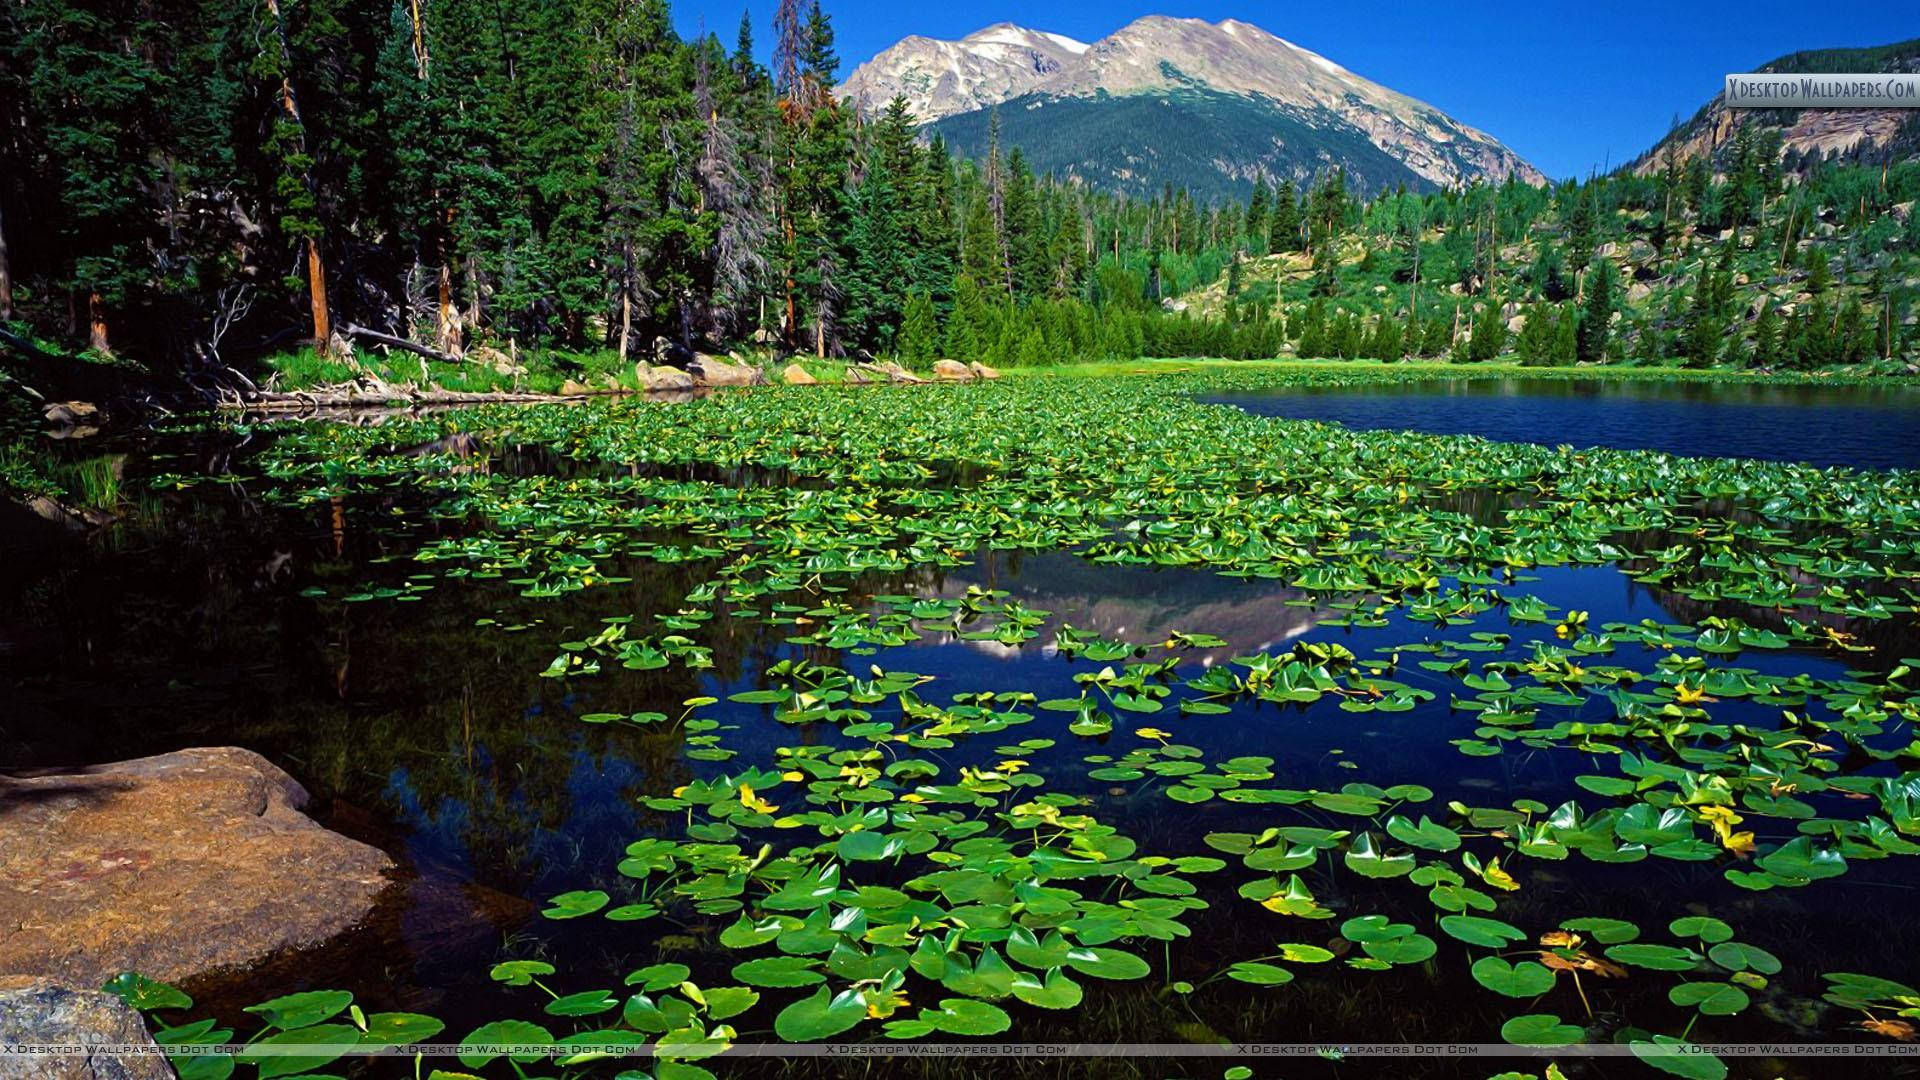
[1569,86]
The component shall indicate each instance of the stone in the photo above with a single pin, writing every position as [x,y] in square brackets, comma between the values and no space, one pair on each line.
[570,388]
[952,371]
[795,375]
[983,371]
[1607,250]
[1638,291]
[654,379]
[713,371]
[36,1010]
[1517,324]
[856,377]
[72,413]
[171,866]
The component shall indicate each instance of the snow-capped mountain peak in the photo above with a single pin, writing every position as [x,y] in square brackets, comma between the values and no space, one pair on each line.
[1159,56]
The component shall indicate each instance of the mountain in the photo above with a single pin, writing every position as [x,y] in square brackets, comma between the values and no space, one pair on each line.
[1806,135]
[940,78]
[1210,106]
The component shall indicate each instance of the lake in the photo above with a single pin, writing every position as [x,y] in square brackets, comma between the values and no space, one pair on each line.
[387,629]
[1854,426]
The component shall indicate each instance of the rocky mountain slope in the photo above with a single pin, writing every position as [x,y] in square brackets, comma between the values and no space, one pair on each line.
[941,78]
[1806,135]
[1208,105]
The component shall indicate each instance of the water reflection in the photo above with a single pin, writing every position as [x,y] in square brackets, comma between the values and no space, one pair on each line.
[431,734]
[1856,426]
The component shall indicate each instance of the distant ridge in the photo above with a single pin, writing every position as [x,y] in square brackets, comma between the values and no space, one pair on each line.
[1806,135]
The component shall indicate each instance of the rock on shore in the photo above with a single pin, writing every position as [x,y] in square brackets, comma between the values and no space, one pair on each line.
[39,1011]
[170,866]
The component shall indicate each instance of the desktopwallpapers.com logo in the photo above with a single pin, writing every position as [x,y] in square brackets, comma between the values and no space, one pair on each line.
[1823,91]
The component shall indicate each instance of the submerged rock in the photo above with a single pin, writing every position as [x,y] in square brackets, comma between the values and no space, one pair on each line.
[171,866]
[40,1011]
[952,370]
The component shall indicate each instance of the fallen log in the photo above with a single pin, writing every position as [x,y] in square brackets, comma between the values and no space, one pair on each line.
[415,347]
[891,372]
[310,400]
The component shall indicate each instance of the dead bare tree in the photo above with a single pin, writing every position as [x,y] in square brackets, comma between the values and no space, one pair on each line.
[744,232]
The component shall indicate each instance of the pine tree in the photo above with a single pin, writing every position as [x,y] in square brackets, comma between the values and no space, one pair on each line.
[1596,316]
[1489,337]
[1766,338]
[1259,214]
[1283,232]
[877,273]
[919,331]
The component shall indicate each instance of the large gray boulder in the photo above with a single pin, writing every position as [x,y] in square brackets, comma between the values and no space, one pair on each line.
[171,866]
[656,379]
[713,371]
[39,1012]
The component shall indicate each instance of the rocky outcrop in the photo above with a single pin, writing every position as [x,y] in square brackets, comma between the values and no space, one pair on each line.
[952,371]
[982,371]
[171,866]
[574,388]
[37,1011]
[795,375]
[713,371]
[654,379]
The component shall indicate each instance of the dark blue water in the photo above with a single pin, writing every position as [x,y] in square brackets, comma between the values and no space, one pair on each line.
[427,729]
[1857,427]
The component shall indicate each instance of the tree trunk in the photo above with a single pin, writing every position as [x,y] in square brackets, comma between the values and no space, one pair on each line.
[6,276]
[1414,295]
[626,324]
[419,42]
[449,321]
[316,267]
[317,293]
[473,291]
[97,324]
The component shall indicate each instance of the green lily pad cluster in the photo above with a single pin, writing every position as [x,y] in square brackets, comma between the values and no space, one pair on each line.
[928,861]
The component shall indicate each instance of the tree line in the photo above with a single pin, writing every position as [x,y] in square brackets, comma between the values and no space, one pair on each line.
[190,180]
[190,183]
